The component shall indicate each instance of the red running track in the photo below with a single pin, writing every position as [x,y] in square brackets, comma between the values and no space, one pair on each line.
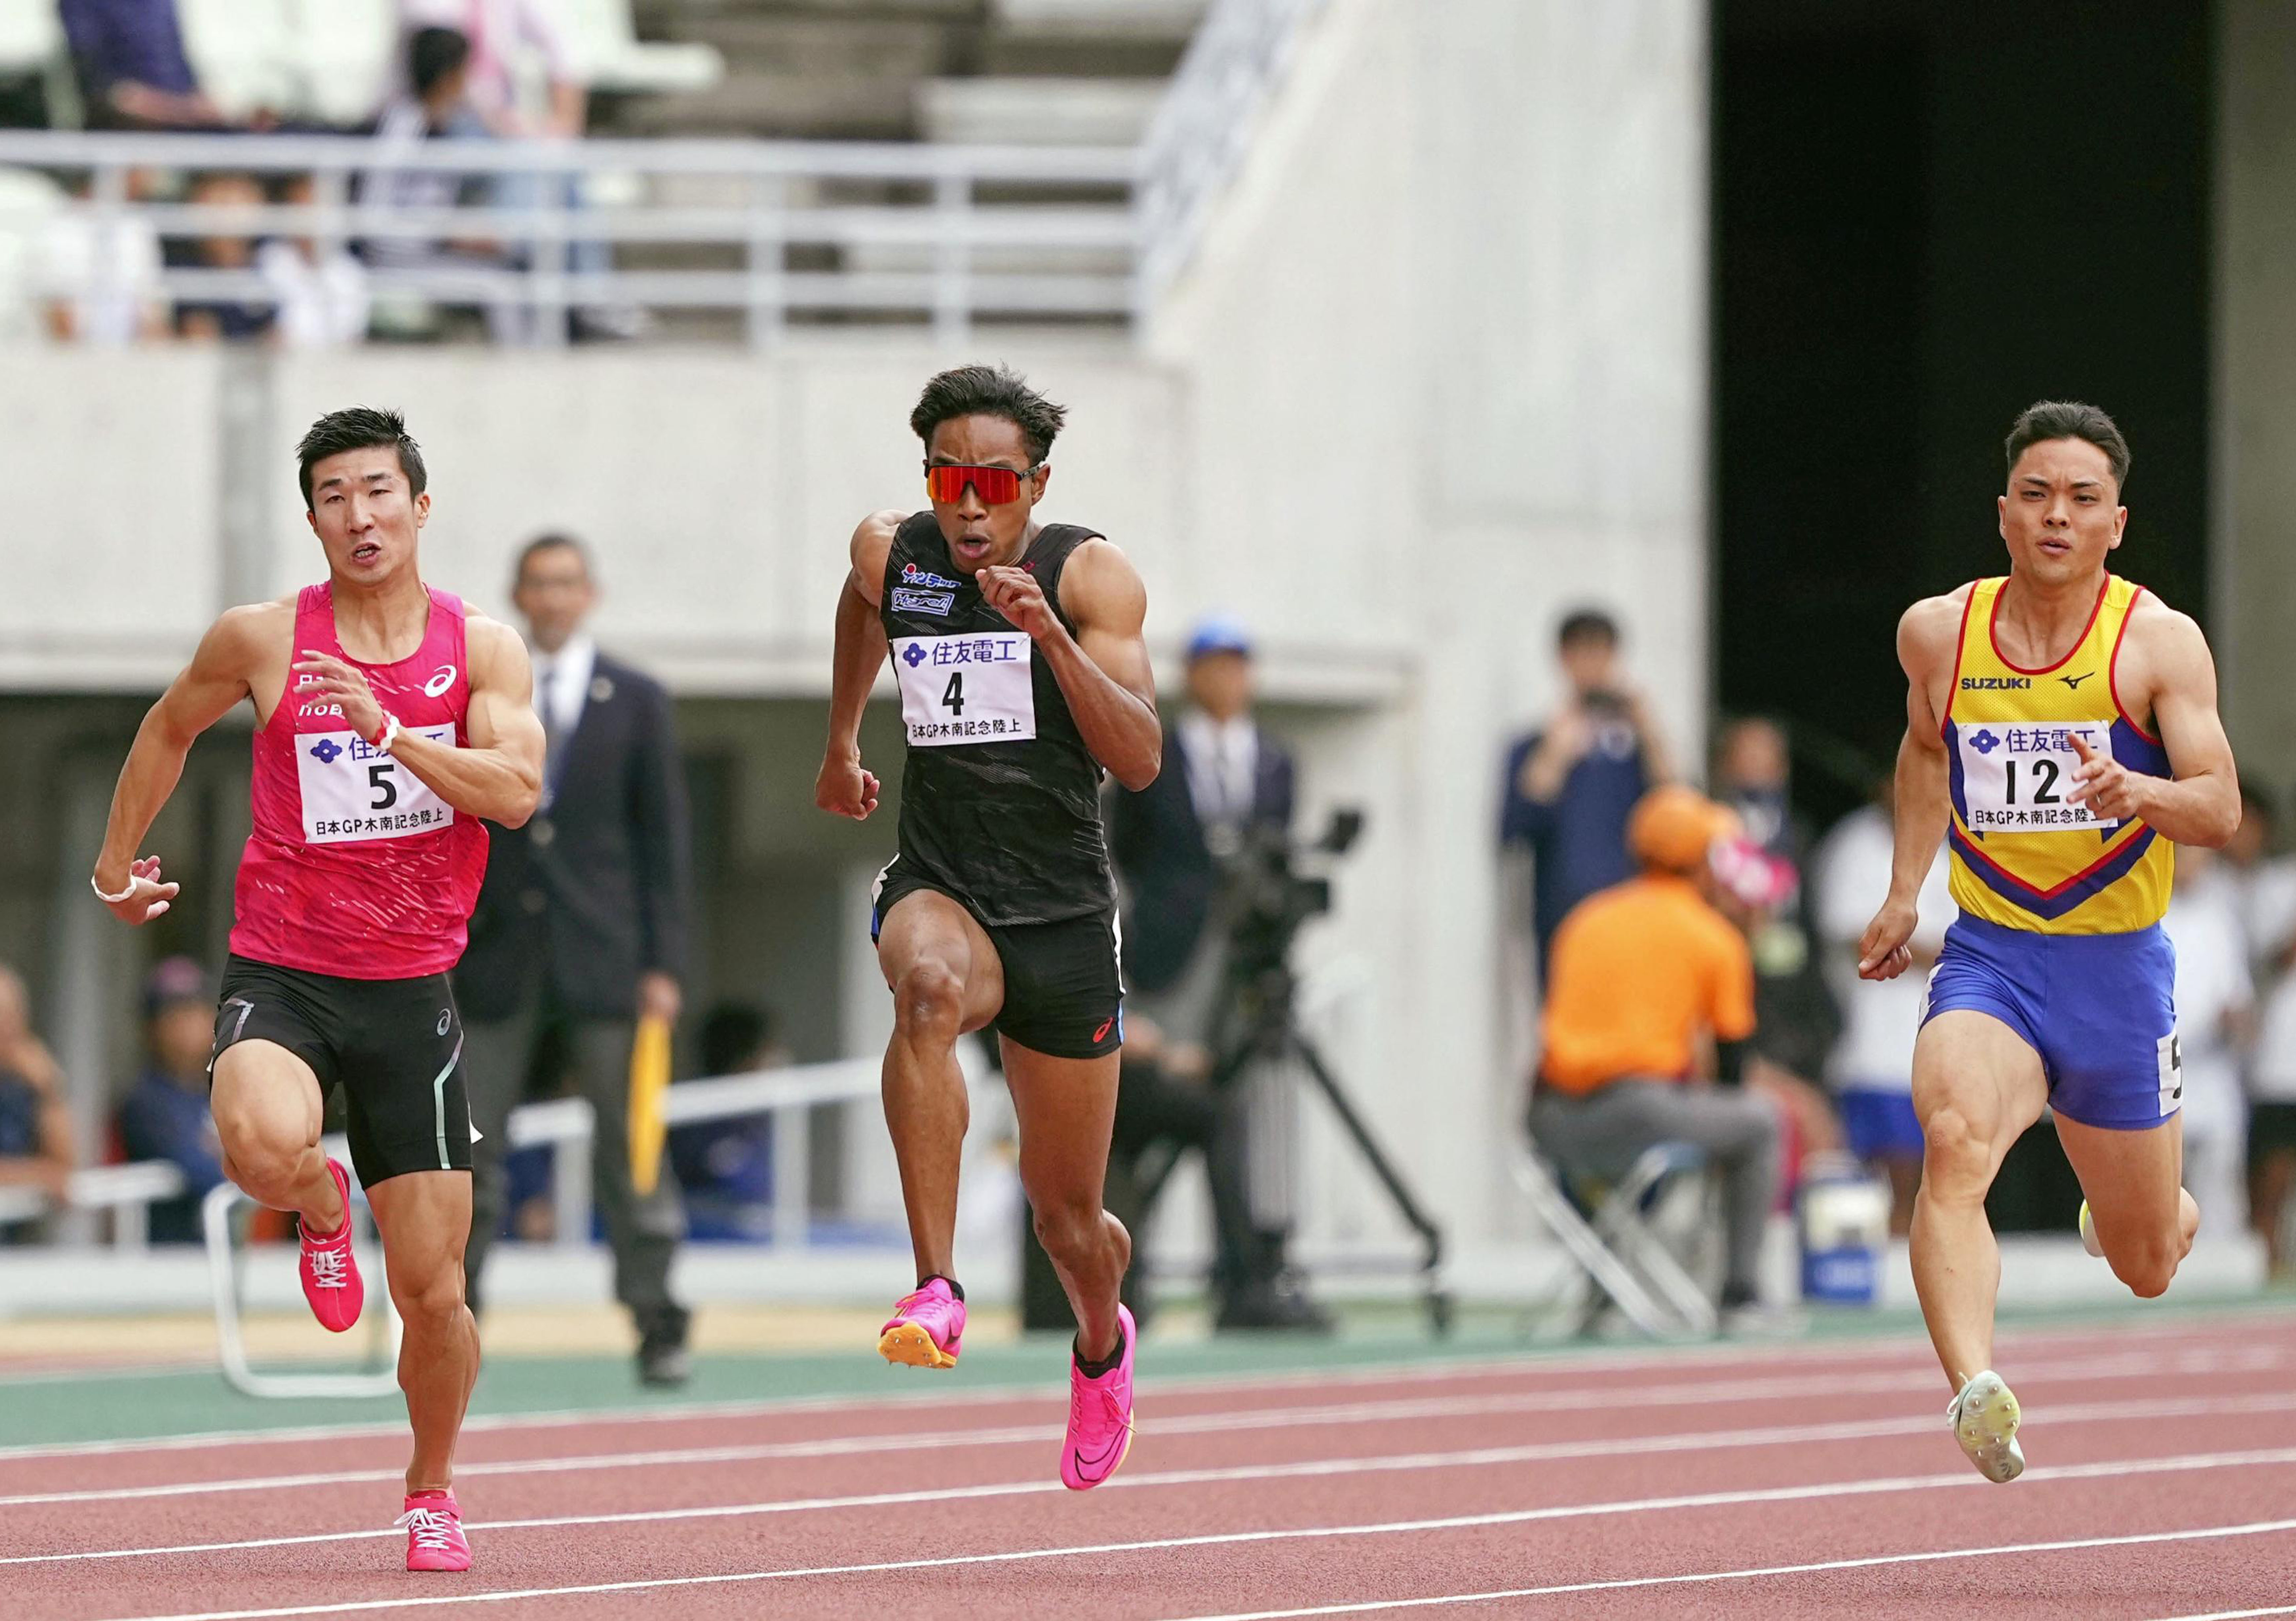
[1759,1482]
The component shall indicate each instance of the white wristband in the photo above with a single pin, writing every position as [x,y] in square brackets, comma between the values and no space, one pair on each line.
[112,899]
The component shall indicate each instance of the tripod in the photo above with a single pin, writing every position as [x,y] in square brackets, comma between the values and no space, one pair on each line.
[1260,1024]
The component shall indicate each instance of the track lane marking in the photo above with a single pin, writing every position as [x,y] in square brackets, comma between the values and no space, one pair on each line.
[1960,1478]
[2103,1369]
[1765,1355]
[1307,1468]
[2100,1369]
[2140,1538]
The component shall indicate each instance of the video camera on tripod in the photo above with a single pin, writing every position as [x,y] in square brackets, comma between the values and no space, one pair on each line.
[1269,899]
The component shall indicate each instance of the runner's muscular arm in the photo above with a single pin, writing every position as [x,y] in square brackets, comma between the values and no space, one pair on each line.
[2202,804]
[1102,669]
[1926,636]
[499,776]
[843,788]
[220,674]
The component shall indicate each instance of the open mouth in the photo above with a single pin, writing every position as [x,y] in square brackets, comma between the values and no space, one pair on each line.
[365,551]
[973,549]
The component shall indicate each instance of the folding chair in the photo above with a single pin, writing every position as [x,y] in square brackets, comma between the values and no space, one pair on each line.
[226,1267]
[1608,1233]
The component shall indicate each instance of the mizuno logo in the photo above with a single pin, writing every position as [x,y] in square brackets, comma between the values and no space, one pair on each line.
[2074,682]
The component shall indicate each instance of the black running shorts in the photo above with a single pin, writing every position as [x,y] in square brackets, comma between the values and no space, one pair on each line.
[1063,986]
[395,1046]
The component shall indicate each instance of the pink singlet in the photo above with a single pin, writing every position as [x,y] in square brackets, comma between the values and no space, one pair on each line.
[354,868]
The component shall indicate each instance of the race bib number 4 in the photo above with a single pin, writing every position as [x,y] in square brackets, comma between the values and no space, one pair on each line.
[2018,779]
[351,791]
[959,689]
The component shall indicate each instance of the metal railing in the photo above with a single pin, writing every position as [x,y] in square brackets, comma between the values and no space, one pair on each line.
[766,232]
[769,232]
[1205,124]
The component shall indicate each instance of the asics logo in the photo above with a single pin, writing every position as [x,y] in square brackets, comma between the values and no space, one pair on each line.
[1101,1034]
[439,683]
[446,1017]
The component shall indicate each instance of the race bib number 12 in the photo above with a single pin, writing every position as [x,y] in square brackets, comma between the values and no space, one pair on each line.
[2017,778]
[351,791]
[959,689]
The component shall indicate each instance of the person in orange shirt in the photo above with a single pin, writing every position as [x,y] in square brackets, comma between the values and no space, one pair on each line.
[1640,972]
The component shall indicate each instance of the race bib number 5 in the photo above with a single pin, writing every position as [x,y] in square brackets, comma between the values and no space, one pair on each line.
[351,791]
[959,689]
[2017,778]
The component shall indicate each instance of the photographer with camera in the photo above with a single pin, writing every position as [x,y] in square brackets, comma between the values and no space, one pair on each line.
[1570,787]
[1182,848]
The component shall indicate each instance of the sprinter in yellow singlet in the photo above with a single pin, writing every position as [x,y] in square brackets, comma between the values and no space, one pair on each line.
[2062,736]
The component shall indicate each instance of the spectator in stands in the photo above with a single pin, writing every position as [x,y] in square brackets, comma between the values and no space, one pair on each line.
[2216,1018]
[35,1138]
[322,293]
[166,1116]
[437,107]
[580,931]
[1570,786]
[2267,882]
[725,1168]
[497,28]
[1643,972]
[99,271]
[228,319]
[1871,1068]
[129,54]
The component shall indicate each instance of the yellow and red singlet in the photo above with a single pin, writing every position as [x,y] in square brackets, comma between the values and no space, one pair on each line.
[2023,856]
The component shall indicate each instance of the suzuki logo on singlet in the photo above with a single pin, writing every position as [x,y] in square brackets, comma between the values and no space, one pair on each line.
[439,682]
[1994,683]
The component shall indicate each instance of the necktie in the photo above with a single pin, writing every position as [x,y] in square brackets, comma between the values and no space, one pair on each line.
[546,704]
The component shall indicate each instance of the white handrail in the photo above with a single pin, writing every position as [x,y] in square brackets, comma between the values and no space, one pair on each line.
[942,234]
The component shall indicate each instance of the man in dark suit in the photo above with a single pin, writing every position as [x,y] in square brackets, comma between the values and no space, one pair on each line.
[1174,842]
[580,931]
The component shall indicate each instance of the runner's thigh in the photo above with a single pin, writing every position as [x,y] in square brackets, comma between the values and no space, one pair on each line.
[925,926]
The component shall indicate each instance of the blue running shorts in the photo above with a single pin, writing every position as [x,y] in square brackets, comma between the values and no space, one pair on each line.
[2100,1009]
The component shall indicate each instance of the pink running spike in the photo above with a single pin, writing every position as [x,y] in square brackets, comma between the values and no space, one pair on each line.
[330,1275]
[1100,1418]
[433,1524]
[926,1329]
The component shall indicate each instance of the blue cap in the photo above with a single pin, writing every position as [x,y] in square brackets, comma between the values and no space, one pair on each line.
[1218,634]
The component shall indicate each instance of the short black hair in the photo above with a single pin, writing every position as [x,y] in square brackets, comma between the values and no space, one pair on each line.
[433,53]
[356,430]
[2048,419]
[1587,624]
[556,540]
[988,391]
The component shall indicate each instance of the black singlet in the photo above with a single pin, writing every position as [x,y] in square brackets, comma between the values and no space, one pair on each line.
[1000,798]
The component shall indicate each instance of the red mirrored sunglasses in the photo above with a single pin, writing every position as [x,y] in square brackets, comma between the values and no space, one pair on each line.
[946,481]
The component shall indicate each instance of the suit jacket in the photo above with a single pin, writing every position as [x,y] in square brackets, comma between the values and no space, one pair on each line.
[594,887]
[1157,841]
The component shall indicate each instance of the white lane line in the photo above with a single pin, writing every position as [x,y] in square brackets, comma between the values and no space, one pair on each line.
[1930,1555]
[1461,1522]
[1530,1365]
[2237,1615]
[1309,1468]
[1574,1399]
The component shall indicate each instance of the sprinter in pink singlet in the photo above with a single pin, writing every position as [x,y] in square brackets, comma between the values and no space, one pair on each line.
[388,720]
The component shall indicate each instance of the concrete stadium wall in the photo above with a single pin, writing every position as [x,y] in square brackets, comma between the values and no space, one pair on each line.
[1445,348]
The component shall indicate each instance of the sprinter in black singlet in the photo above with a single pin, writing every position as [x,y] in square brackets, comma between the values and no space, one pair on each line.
[1017,649]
